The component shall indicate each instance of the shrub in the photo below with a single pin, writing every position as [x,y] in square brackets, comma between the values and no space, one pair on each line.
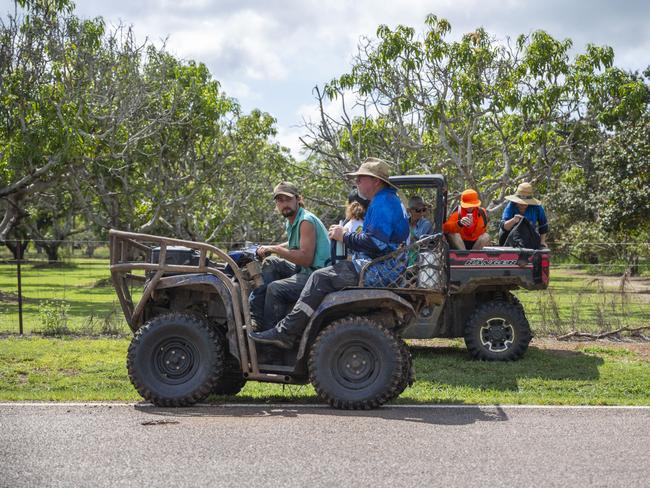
[53,316]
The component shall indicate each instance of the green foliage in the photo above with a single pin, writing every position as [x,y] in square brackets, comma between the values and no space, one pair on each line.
[606,199]
[486,113]
[489,114]
[114,134]
[53,316]
[98,131]
[623,176]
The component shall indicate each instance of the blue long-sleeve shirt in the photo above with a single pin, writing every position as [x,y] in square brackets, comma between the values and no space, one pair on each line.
[534,213]
[423,227]
[385,227]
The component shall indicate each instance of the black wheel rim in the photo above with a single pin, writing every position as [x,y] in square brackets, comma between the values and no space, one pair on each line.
[497,334]
[356,366]
[175,361]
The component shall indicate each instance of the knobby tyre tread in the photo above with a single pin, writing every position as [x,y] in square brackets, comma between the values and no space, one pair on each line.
[513,312]
[408,370]
[186,329]
[232,380]
[332,342]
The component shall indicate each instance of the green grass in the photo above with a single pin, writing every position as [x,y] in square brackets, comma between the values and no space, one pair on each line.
[577,301]
[84,284]
[34,368]
[573,301]
[589,376]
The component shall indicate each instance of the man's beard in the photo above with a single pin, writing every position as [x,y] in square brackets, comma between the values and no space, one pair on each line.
[288,212]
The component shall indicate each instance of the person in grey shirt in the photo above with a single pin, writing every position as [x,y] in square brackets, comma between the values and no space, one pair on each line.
[419,225]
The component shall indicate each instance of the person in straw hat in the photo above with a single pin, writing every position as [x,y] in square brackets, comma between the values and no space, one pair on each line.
[385,227]
[466,226]
[524,205]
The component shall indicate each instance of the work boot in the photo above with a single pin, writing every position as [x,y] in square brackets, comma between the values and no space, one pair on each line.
[272,337]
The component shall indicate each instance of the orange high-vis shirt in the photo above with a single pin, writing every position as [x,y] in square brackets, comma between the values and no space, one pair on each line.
[451,226]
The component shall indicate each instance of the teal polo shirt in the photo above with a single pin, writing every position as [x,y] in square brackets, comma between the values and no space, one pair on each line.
[322,251]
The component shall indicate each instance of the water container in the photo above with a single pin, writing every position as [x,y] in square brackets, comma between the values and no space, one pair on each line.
[428,271]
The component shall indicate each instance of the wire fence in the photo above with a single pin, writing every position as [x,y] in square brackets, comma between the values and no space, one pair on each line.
[75,295]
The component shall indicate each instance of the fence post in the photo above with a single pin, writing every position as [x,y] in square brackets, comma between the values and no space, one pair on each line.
[20,288]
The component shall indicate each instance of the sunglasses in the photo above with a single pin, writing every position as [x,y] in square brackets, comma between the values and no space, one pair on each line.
[419,210]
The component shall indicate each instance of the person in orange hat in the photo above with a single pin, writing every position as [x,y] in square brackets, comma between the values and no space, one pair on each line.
[466,226]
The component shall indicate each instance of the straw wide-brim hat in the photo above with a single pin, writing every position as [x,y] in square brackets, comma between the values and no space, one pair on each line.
[375,167]
[524,195]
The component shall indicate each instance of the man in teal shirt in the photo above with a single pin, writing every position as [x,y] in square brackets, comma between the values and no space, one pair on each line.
[285,274]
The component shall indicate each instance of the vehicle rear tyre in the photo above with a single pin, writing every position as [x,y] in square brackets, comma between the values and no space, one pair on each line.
[515,301]
[232,380]
[497,331]
[175,360]
[355,363]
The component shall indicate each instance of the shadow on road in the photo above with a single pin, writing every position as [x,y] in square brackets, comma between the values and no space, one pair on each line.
[459,415]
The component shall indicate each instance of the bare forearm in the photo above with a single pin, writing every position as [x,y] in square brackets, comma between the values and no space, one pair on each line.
[295,256]
[509,224]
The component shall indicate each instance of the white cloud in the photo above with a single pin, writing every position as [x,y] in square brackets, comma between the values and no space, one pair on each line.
[234,45]
[290,137]
[237,89]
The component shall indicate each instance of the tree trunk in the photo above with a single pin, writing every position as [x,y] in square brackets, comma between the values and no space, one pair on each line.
[13,247]
[90,249]
[52,251]
[634,265]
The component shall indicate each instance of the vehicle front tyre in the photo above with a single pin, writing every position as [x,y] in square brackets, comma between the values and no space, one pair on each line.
[497,331]
[175,360]
[356,363]
[408,370]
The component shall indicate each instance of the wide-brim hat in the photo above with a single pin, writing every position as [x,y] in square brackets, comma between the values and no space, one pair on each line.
[375,167]
[469,199]
[524,195]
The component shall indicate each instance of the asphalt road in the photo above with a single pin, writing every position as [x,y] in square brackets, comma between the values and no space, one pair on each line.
[131,445]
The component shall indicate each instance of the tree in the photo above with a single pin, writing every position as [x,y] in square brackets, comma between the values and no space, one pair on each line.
[486,114]
[29,120]
[101,132]
[602,208]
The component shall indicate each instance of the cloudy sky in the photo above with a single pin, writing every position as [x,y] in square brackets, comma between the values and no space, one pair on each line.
[269,54]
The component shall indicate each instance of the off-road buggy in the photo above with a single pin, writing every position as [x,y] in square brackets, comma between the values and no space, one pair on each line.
[187,304]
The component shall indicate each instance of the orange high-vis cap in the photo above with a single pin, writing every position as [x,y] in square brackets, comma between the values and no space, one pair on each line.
[469,199]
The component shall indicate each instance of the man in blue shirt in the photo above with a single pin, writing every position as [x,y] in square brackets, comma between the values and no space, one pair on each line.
[385,227]
[523,205]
